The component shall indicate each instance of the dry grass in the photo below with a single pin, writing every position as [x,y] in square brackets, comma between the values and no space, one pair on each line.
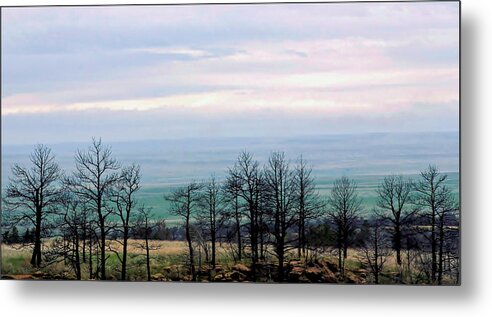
[162,248]
[15,259]
[156,247]
[164,254]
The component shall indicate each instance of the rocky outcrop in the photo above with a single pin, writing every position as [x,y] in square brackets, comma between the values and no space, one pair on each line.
[295,271]
[160,277]
[237,273]
[311,272]
[242,268]
[175,273]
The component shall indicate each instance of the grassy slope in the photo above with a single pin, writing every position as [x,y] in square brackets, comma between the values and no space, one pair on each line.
[168,255]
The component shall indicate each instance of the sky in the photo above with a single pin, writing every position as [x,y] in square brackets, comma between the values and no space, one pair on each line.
[158,72]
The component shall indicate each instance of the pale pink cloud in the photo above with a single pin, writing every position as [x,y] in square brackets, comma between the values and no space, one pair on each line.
[335,61]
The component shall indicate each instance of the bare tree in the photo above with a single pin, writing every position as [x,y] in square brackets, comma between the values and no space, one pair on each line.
[309,204]
[95,175]
[92,236]
[394,195]
[33,193]
[262,224]
[375,248]
[432,196]
[448,209]
[65,244]
[84,234]
[72,220]
[123,197]
[344,208]
[232,190]
[280,194]
[246,172]
[211,209]
[184,203]
[143,229]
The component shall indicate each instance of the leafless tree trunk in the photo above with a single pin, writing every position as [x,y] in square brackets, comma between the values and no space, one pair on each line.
[247,173]
[448,208]
[91,269]
[232,189]
[147,257]
[431,196]
[94,176]
[375,249]
[309,204]
[33,193]
[393,199]
[211,210]
[84,234]
[142,229]
[72,224]
[124,198]
[344,209]
[280,195]
[184,202]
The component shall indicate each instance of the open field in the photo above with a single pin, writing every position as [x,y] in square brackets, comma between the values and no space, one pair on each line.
[367,185]
[169,259]
[15,259]
[365,158]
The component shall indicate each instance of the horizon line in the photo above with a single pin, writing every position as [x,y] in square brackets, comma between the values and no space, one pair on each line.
[240,137]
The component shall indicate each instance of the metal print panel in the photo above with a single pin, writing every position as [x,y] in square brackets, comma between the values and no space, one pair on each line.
[272,143]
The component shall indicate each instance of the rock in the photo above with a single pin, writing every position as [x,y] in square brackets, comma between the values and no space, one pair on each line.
[238,276]
[212,272]
[265,271]
[38,274]
[295,271]
[320,262]
[219,268]
[56,277]
[219,278]
[296,274]
[158,277]
[331,266]
[304,279]
[202,278]
[241,268]
[294,263]
[362,273]
[352,278]
[227,277]
[202,273]
[329,276]
[314,274]
[172,273]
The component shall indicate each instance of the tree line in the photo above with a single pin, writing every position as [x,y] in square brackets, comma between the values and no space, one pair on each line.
[264,212]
